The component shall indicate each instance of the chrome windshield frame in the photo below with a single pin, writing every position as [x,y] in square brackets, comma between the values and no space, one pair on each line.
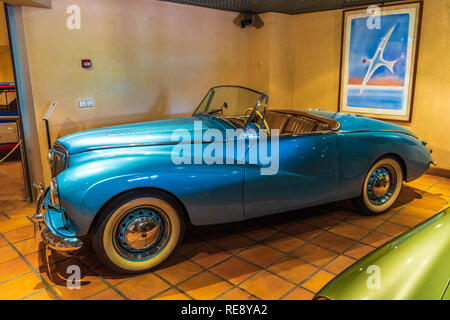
[207,96]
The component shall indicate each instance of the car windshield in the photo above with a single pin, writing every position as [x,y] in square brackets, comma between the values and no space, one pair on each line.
[231,102]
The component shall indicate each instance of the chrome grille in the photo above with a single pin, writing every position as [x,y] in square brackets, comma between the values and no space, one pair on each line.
[59,159]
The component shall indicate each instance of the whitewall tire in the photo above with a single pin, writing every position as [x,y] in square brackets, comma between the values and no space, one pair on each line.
[138,231]
[381,188]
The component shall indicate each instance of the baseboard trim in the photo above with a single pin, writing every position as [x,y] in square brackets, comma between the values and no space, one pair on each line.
[439,172]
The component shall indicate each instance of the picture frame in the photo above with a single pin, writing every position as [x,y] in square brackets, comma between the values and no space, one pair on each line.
[379,52]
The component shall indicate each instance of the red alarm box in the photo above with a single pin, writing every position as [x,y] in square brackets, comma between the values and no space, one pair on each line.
[86,63]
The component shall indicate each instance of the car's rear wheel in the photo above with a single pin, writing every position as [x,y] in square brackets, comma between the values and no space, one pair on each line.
[381,188]
[139,231]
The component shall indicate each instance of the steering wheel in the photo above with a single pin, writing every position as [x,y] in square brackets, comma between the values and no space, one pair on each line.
[250,110]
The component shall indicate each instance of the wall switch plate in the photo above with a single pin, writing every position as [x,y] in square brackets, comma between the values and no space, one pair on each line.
[86,103]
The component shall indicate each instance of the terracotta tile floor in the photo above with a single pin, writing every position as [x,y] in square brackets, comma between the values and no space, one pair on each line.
[289,256]
[11,180]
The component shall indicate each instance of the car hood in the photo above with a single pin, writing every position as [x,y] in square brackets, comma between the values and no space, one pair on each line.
[350,122]
[145,133]
[413,266]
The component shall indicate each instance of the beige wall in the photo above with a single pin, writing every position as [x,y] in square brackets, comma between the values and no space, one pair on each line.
[151,60]
[155,60]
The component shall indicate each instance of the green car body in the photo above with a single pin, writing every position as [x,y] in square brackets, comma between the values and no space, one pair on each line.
[413,266]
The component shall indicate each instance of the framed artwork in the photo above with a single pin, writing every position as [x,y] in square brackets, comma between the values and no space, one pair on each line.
[378,60]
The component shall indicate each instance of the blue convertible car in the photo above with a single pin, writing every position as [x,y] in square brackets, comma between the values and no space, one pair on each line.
[133,188]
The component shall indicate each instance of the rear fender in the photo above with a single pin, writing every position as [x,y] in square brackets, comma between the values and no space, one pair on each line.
[358,151]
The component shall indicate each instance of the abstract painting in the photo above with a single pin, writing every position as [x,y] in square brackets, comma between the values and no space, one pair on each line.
[379,51]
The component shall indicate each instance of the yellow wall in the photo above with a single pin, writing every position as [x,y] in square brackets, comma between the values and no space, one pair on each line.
[299,61]
[272,59]
[317,38]
[155,60]
[317,50]
[151,60]
[31,3]
[6,69]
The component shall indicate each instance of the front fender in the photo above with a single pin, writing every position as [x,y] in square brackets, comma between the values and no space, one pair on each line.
[211,194]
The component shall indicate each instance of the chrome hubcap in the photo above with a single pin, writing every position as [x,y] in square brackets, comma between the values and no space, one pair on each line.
[141,233]
[381,185]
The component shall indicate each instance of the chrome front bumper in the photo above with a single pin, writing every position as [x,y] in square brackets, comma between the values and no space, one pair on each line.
[53,239]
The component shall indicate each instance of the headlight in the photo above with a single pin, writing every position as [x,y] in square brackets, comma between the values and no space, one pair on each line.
[54,194]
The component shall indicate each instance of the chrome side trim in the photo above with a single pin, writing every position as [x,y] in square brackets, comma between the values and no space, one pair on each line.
[307,134]
[349,131]
[394,131]
[137,145]
[281,135]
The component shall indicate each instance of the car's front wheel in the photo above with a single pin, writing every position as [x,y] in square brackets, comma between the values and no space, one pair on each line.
[381,188]
[138,231]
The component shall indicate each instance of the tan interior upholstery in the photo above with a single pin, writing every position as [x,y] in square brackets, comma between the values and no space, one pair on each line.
[325,123]
[296,123]
[323,127]
[277,120]
[300,125]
